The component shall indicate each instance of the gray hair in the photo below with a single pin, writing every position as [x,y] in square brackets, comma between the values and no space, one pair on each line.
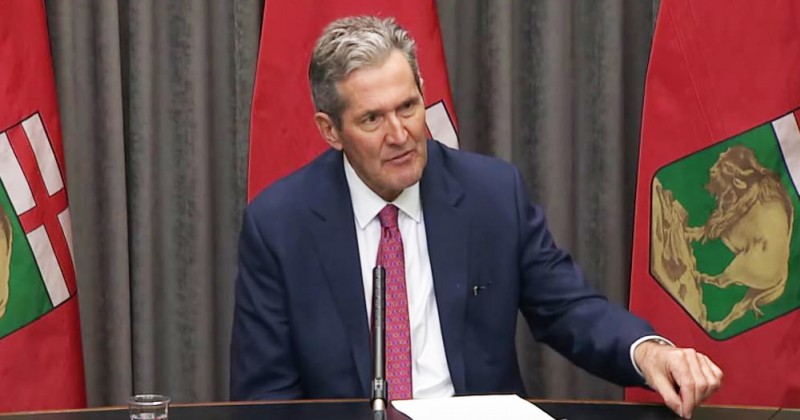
[349,44]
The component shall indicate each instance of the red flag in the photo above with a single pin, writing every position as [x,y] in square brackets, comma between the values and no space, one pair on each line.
[716,256]
[283,135]
[41,364]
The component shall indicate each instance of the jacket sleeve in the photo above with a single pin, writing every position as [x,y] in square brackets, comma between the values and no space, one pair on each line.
[563,311]
[262,365]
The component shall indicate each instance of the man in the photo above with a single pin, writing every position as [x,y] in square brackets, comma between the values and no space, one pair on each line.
[465,250]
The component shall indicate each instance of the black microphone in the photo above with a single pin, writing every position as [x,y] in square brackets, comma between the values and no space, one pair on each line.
[379,386]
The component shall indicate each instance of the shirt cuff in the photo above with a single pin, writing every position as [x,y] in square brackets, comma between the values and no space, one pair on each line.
[642,340]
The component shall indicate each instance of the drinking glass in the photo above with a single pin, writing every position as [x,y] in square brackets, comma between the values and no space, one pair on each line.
[148,407]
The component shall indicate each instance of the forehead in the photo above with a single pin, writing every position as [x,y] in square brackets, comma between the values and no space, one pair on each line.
[379,86]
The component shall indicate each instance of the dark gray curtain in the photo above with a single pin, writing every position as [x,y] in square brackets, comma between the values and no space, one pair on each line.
[556,87]
[155,101]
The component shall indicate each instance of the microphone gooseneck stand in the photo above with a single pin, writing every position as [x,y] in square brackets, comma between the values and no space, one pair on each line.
[379,386]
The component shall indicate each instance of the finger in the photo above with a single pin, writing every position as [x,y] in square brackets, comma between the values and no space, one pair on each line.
[666,389]
[710,378]
[693,360]
[683,378]
[714,377]
[716,369]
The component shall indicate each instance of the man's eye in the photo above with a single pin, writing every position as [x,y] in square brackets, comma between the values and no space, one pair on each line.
[407,107]
[370,118]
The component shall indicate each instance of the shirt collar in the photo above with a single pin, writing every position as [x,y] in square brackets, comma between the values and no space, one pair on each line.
[367,204]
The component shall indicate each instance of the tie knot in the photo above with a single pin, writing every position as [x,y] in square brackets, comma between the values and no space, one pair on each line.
[388,216]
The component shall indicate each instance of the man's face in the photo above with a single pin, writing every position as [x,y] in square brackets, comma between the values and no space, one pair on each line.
[383,126]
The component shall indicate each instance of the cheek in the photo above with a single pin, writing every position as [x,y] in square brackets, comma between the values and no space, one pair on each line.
[418,129]
[365,145]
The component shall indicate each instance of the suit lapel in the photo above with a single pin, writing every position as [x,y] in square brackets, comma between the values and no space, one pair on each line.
[446,228]
[333,229]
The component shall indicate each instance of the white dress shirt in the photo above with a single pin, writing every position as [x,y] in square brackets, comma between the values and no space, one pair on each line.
[430,376]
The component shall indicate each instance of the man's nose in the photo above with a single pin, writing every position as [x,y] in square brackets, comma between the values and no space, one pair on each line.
[395,131]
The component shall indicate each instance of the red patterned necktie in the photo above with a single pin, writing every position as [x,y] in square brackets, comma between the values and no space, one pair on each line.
[398,332]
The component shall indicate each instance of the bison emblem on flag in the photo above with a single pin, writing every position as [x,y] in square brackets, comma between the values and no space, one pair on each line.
[722,229]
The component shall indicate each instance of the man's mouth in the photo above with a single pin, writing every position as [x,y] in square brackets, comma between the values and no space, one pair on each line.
[402,158]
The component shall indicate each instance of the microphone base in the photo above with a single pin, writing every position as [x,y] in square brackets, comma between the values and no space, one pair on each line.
[378,409]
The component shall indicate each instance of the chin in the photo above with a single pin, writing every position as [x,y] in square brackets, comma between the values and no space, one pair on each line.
[402,181]
[407,182]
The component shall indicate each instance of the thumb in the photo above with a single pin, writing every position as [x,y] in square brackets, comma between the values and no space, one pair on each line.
[664,387]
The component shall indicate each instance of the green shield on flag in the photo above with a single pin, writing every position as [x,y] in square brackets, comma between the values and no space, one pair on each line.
[27,298]
[722,241]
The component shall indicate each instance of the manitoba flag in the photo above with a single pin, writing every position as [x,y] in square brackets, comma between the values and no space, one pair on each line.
[283,135]
[716,258]
[41,365]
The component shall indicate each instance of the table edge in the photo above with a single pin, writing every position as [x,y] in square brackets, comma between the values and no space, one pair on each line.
[352,400]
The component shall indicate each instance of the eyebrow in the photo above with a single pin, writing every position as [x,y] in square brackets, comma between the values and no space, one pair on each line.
[378,111]
[411,101]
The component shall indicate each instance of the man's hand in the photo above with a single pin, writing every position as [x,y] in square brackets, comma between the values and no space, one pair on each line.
[683,377]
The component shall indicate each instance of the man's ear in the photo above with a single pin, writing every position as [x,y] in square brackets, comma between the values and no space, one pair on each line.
[328,130]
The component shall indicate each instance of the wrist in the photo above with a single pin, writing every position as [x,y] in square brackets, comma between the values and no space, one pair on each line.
[643,347]
[644,350]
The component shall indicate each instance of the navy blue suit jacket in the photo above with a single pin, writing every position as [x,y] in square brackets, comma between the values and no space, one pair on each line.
[300,324]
